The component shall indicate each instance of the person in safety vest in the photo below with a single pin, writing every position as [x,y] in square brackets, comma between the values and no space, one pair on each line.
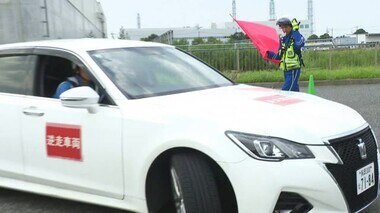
[81,78]
[289,53]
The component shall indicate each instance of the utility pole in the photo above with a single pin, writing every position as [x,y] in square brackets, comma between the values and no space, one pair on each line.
[272,11]
[234,9]
[310,14]
[138,21]
[199,30]
[357,35]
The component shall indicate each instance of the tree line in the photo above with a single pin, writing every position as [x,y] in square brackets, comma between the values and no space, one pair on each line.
[327,36]
[234,38]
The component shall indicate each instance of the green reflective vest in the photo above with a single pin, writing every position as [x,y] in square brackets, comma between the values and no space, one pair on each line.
[290,60]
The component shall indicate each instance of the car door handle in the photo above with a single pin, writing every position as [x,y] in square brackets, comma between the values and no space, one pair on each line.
[33,111]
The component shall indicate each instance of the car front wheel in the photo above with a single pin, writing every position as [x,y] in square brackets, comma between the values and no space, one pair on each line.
[193,184]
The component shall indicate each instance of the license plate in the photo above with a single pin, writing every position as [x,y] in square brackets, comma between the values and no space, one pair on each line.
[365,178]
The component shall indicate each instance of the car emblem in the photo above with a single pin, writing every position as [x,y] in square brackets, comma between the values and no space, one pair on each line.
[362,149]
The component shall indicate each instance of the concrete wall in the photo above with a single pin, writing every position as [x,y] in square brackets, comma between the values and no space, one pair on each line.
[29,20]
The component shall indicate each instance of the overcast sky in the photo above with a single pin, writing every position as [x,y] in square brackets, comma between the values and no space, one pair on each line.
[343,16]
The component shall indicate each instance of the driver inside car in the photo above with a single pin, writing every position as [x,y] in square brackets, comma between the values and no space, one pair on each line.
[81,78]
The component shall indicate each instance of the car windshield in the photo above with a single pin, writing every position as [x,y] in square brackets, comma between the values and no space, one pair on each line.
[153,71]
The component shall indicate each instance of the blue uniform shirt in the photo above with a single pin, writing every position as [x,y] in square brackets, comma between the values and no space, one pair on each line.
[68,84]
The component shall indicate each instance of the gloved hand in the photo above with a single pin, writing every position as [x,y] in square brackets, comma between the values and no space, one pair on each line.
[295,24]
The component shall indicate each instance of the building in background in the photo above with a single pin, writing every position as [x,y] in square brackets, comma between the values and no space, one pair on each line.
[188,33]
[305,27]
[30,20]
[226,29]
[372,38]
[223,33]
[366,38]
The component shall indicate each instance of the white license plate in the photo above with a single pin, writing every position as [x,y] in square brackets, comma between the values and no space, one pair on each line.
[365,178]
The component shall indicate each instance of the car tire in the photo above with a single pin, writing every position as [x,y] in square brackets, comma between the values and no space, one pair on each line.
[193,183]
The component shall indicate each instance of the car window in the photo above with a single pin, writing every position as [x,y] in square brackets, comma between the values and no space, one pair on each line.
[53,70]
[154,71]
[16,74]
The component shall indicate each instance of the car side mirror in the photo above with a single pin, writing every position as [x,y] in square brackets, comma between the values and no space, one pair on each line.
[81,97]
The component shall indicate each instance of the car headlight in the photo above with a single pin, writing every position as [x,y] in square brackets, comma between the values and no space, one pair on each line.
[269,148]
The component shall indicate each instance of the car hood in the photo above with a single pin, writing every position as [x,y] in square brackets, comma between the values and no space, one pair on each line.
[295,116]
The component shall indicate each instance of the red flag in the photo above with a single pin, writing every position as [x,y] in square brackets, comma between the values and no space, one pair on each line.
[265,38]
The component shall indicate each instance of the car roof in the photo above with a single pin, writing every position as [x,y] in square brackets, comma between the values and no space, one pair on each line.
[85,44]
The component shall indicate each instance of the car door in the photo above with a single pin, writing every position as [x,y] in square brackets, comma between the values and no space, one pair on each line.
[71,148]
[16,75]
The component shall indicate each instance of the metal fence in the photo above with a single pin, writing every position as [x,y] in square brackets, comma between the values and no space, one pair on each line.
[244,57]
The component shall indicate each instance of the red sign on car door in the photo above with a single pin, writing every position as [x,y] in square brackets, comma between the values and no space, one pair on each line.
[64,141]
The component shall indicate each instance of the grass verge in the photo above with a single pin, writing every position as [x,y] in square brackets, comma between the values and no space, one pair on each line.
[322,74]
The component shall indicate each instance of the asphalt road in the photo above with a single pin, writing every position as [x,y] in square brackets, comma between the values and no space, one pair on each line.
[363,98]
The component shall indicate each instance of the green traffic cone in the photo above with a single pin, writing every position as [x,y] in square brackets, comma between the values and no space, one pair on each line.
[311,88]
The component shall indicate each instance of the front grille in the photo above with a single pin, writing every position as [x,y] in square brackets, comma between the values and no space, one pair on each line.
[345,175]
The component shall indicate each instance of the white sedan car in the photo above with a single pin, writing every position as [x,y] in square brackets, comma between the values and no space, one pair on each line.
[158,130]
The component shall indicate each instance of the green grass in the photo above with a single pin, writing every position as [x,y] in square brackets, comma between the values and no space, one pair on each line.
[319,74]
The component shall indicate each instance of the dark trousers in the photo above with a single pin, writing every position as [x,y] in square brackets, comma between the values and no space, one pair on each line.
[291,80]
